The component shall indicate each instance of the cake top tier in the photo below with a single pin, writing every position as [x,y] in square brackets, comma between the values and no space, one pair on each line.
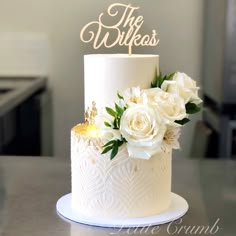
[107,74]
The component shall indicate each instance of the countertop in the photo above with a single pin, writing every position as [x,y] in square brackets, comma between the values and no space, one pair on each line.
[14,90]
[31,186]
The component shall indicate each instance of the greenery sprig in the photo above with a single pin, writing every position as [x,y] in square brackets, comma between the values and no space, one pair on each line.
[159,79]
[113,146]
[116,113]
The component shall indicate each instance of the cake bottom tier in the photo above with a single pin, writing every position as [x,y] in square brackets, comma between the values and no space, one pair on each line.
[122,188]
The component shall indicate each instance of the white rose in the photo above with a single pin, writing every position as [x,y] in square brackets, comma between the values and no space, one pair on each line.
[170,106]
[107,133]
[184,86]
[144,129]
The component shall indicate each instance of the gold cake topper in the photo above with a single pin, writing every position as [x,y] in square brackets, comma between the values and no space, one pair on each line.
[90,114]
[124,30]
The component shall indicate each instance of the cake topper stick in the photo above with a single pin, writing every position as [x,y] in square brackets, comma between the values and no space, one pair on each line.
[130,50]
[122,16]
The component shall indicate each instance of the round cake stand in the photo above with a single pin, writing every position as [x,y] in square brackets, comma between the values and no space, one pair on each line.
[177,209]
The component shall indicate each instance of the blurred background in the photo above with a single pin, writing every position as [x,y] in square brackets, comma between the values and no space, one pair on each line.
[41,70]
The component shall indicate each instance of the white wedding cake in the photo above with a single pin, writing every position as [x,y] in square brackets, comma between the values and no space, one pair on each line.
[121,156]
[124,187]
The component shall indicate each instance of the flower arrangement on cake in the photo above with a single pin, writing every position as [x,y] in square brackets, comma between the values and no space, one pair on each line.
[148,121]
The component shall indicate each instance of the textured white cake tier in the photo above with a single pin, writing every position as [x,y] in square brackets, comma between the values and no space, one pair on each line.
[105,74]
[121,188]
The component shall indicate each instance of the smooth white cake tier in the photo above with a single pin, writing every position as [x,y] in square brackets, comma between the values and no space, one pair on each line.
[105,74]
[122,188]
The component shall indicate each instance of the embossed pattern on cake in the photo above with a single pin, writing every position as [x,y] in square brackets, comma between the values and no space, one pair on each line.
[122,188]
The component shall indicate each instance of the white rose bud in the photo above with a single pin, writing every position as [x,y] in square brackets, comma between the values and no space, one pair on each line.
[170,106]
[184,86]
[144,129]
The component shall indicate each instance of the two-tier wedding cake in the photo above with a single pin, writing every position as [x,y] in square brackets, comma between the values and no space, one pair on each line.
[121,156]
[122,187]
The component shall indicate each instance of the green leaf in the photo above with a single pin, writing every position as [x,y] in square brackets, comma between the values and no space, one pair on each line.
[109,143]
[119,110]
[114,146]
[107,149]
[120,142]
[119,96]
[111,112]
[170,77]
[114,151]
[116,123]
[158,81]
[192,108]
[153,85]
[182,122]
[107,124]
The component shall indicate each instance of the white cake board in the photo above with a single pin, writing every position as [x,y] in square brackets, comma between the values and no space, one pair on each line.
[177,209]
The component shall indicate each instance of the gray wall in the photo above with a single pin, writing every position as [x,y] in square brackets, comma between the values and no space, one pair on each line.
[178,23]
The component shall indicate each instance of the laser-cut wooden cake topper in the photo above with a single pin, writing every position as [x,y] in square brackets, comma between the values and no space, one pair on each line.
[124,30]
